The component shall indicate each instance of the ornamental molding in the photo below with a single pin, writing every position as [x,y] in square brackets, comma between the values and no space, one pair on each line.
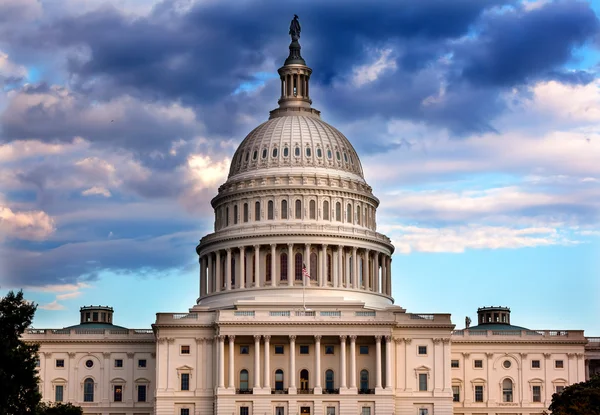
[267,337]
[72,354]
[547,355]
[130,355]
[407,340]
[106,355]
[466,355]
[47,354]
[318,337]
[170,340]
[436,341]
[200,340]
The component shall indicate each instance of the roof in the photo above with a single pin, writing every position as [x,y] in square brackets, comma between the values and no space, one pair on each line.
[90,326]
[496,327]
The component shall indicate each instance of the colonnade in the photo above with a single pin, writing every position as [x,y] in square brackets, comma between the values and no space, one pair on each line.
[281,265]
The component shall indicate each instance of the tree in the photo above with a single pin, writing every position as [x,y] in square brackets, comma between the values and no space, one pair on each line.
[18,375]
[578,399]
[59,409]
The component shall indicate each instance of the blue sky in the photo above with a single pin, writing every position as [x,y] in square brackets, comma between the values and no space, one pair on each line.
[476,122]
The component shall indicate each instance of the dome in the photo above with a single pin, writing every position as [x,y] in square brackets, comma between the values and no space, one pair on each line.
[294,142]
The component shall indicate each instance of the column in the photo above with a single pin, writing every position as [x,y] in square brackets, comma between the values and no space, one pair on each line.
[218,281]
[221,361]
[340,276]
[353,361]
[211,275]
[199,357]
[377,362]
[318,388]
[228,268]
[291,273]
[267,374]
[320,267]
[257,360]
[325,263]
[307,263]
[355,277]
[376,274]
[383,274]
[231,362]
[292,364]
[202,276]
[367,270]
[389,275]
[273,265]
[388,362]
[343,362]
[257,266]
[242,267]
[347,261]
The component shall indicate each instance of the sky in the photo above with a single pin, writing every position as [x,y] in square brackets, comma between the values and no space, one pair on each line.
[476,122]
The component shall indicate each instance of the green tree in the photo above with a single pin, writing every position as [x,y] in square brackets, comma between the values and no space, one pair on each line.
[18,375]
[578,399]
[59,409]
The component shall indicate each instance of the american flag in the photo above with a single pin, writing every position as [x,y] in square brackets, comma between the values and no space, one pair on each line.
[305,273]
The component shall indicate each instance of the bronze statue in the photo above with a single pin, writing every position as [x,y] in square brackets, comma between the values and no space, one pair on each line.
[295,29]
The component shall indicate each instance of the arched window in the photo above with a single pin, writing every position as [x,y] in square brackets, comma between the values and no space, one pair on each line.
[268,267]
[349,213]
[88,390]
[298,267]
[235,214]
[270,210]
[298,209]
[233,269]
[507,390]
[328,267]
[338,212]
[264,153]
[279,380]
[325,210]
[283,265]
[364,379]
[304,379]
[312,208]
[358,215]
[227,216]
[274,154]
[297,151]
[329,385]
[245,212]
[284,209]
[244,380]
[257,211]
[313,266]
[286,151]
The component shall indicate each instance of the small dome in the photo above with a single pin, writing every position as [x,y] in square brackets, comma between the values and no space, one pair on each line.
[295,142]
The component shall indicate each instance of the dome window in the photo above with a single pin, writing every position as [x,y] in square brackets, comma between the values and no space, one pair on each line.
[351,160]
[329,155]
[247,156]
[297,152]
[255,155]
[286,152]
[264,153]
[274,154]
[345,157]
[337,155]
[308,152]
[319,153]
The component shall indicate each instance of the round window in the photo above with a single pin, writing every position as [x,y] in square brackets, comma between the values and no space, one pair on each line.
[286,152]
[308,152]
[275,152]
[319,153]
[89,363]
[506,364]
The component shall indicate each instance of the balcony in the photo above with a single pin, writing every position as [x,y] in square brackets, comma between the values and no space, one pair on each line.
[524,335]
[366,391]
[283,391]
[331,391]
[243,391]
[305,391]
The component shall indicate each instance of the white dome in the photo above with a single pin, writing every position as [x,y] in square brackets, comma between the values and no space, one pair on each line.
[295,142]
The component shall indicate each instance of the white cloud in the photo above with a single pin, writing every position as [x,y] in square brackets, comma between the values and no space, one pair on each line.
[367,73]
[9,69]
[68,296]
[96,190]
[58,288]
[53,306]
[31,225]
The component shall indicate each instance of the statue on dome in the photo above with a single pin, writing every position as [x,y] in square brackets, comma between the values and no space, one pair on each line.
[295,29]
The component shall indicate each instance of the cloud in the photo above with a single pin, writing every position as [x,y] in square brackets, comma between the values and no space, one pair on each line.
[32,225]
[96,190]
[53,306]
[68,296]
[57,288]
[370,72]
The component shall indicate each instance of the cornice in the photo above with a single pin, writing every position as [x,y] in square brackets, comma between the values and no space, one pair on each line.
[513,341]
[304,323]
[95,341]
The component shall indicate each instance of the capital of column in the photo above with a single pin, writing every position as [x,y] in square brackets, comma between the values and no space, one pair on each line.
[170,340]
[267,337]
[231,337]
[220,337]
[257,337]
[352,338]
[388,339]
[130,355]
[228,250]
[547,355]
[407,340]
[290,246]
[489,355]
[466,355]
[523,355]
[398,340]
[446,340]
[343,337]
[378,338]
[106,355]
[436,341]
[200,340]
[292,337]
[256,246]
[318,337]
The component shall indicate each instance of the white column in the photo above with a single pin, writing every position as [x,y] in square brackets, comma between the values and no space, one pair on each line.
[218,281]
[340,276]
[389,276]
[292,375]
[228,268]
[273,265]
[221,361]
[291,274]
[383,273]
[203,276]
[355,270]
[343,362]
[231,362]
[307,262]
[320,267]
[376,275]
[211,274]
[267,374]
[377,362]
[257,360]
[199,353]
[325,269]
[242,269]
[353,361]
[367,270]
[257,265]
[318,364]
[347,261]
[388,362]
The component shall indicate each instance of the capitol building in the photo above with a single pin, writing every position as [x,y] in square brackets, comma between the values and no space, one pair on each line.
[295,314]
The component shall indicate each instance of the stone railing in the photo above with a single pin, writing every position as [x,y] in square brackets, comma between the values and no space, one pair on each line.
[522,334]
[593,342]
[298,315]
[422,319]
[121,334]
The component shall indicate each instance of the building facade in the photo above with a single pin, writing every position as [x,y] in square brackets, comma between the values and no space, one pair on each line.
[295,314]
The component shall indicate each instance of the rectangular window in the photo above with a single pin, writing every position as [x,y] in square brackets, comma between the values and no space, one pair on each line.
[329,349]
[559,364]
[185,381]
[58,393]
[478,393]
[535,364]
[279,410]
[423,411]
[303,349]
[142,363]
[456,393]
[560,389]
[278,349]
[363,350]
[60,362]
[185,349]
[184,411]
[118,362]
[141,389]
[422,349]
[244,349]
[454,364]
[478,364]
[330,410]
[366,410]
[422,381]
[244,410]
[118,393]
[537,393]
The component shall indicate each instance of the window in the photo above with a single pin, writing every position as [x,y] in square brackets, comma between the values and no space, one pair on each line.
[244,410]
[257,211]
[506,364]
[559,364]
[264,153]
[537,393]
[319,153]
[337,156]
[507,390]
[270,214]
[283,266]
[141,393]
[330,410]
[142,363]
[345,157]
[286,152]
[298,209]
[329,349]
[284,209]
[118,393]
[255,155]
[298,266]
[560,389]
[329,385]
[338,212]
[454,364]
[279,410]
[423,411]
[535,364]
[364,379]
[244,349]
[304,379]
[60,363]
[479,393]
[244,380]
[185,381]
[184,411]
[268,260]
[278,349]
[422,349]
[95,316]
[455,393]
[363,349]
[274,153]
[58,393]
[312,209]
[365,410]
[88,390]
[478,364]
[297,151]
[279,380]
[325,210]
[308,152]
[185,349]
[245,212]
[349,213]
[423,381]
[358,215]
[303,349]
[235,214]
[118,362]
[329,154]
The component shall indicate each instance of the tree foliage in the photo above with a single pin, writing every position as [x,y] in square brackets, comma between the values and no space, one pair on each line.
[18,375]
[59,409]
[578,399]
